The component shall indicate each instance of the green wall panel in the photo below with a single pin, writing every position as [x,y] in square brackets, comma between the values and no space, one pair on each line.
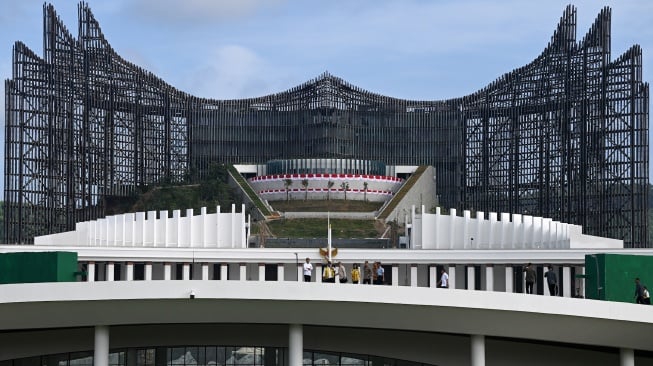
[616,276]
[30,267]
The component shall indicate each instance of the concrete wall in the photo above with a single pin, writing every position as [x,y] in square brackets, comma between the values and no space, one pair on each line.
[580,240]
[250,206]
[157,229]
[423,193]
[438,231]
[417,324]
[379,188]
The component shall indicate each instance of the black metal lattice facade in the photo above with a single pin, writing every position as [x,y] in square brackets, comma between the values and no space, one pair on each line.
[565,136]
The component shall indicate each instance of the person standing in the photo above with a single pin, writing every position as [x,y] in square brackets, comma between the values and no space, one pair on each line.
[367,273]
[308,270]
[531,277]
[328,275]
[444,279]
[552,281]
[342,273]
[355,274]
[380,274]
[639,292]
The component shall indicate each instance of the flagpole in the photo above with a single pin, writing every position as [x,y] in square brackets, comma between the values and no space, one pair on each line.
[329,236]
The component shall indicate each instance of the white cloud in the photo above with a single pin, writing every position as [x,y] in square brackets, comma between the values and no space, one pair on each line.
[231,71]
[189,12]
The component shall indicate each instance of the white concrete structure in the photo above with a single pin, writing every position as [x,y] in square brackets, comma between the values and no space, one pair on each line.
[179,289]
[273,187]
[427,231]
[218,230]
[432,326]
[438,231]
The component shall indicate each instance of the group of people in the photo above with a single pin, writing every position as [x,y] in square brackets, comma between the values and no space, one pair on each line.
[371,274]
[376,274]
[531,278]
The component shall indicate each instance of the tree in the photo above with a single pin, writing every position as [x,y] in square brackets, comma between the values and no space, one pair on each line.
[287,183]
[329,185]
[305,185]
[345,187]
[365,188]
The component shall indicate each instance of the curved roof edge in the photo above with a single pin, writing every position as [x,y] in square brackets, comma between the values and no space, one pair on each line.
[567,320]
[563,41]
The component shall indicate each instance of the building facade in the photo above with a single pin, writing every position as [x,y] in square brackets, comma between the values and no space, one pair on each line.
[564,137]
[148,291]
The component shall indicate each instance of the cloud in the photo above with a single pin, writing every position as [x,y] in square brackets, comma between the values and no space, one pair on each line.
[232,71]
[191,12]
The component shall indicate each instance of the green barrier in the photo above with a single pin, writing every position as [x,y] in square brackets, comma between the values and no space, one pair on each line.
[31,267]
[612,276]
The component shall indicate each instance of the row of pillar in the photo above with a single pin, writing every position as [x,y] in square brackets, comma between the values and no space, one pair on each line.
[296,348]
[433,274]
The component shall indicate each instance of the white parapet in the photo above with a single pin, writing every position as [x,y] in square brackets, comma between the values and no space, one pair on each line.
[217,230]
[516,231]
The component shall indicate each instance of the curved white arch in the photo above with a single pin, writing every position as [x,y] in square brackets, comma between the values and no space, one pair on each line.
[519,316]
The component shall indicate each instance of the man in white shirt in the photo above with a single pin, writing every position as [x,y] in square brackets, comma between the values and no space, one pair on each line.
[444,279]
[308,269]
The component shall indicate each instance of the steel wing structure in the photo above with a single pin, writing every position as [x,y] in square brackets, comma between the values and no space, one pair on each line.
[565,136]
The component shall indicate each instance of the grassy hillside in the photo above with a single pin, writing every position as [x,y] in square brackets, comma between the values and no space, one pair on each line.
[317,228]
[209,193]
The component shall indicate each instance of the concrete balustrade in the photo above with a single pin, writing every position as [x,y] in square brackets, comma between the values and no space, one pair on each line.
[500,277]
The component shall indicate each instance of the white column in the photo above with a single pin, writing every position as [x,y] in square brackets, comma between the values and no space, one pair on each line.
[510,273]
[413,275]
[295,345]
[205,271]
[581,283]
[489,277]
[471,277]
[567,282]
[452,229]
[280,273]
[395,275]
[478,350]
[185,272]
[224,272]
[130,271]
[318,273]
[167,271]
[452,276]
[626,357]
[90,272]
[109,275]
[433,276]
[148,271]
[300,272]
[545,282]
[101,350]
[261,271]
[243,272]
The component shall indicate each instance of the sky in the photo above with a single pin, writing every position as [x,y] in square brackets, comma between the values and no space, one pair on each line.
[409,49]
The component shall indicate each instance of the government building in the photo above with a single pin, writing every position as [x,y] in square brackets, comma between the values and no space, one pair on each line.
[544,172]
[564,137]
